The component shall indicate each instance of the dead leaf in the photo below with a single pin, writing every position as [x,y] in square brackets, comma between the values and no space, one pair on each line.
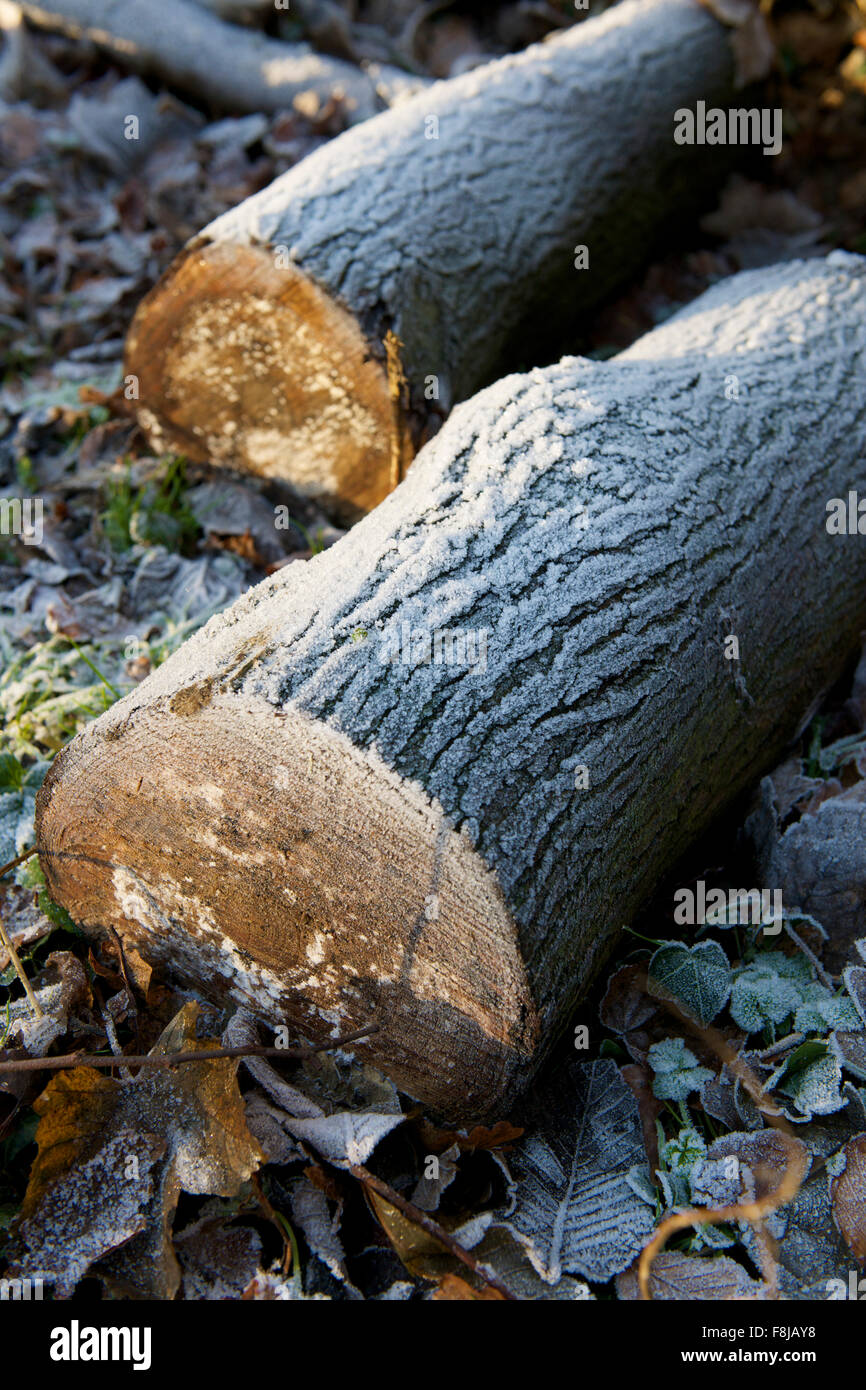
[640,1082]
[91,1187]
[59,988]
[218,1258]
[428,1191]
[677,1276]
[453,1289]
[424,1256]
[848,1196]
[626,1004]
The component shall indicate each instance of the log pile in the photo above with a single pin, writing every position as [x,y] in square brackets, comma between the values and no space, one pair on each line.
[426,778]
[468,230]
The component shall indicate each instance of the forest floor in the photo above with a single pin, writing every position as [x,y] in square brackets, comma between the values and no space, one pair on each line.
[714,1066]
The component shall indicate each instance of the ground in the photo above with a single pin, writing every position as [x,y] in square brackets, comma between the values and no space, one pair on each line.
[718,1067]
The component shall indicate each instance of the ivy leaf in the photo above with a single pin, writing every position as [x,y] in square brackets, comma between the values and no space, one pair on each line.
[811,1077]
[697,978]
[676,1069]
[681,1153]
[575,1212]
[821,1010]
[768,990]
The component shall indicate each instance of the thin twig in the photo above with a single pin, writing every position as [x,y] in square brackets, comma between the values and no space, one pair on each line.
[432,1227]
[13,863]
[173,1059]
[20,972]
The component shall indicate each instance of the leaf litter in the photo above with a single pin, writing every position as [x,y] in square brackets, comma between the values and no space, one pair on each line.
[124,574]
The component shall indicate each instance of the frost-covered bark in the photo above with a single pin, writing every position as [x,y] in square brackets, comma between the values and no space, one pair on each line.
[233,68]
[292,815]
[456,220]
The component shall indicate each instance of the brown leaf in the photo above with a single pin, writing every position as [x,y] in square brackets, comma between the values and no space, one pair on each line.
[501,1136]
[95,1184]
[423,1255]
[848,1195]
[626,1004]
[453,1289]
[639,1081]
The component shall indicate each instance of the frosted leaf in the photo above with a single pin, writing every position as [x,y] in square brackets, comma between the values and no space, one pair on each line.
[675,1189]
[98,1204]
[821,1010]
[768,990]
[641,1183]
[677,1073]
[850,1048]
[59,988]
[715,1182]
[697,978]
[815,1089]
[811,1077]
[675,1275]
[681,1153]
[811,1252]
[576,1213]
[345,1137]
[711,1238]
[272,1285]
[312,1213]
[113,1157]
[855,983]
[16,823]
[500,1253]
[848,1195]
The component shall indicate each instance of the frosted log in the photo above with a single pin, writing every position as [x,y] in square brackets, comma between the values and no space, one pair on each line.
[477,222]
[231,68]
[424,779]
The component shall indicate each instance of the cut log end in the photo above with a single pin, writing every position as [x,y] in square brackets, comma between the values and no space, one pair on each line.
[295,875]
[248,364]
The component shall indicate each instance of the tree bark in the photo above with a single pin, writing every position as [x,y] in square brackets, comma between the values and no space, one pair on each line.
[231,68]
[453,221]
[334,837]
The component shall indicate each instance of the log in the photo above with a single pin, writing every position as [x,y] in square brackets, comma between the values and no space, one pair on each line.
[230,68]
[263,348]
[330,807]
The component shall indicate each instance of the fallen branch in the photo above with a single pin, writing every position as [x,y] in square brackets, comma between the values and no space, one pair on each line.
[71,1060]
[478,222]
[427,776]
[231,68]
